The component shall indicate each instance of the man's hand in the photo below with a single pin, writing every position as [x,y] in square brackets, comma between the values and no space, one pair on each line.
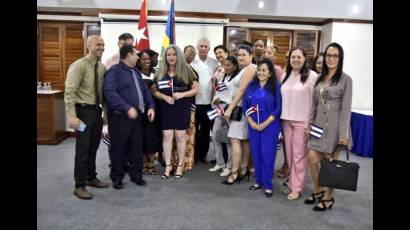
[132,113]
[151,115]
[74,122]
[105,131]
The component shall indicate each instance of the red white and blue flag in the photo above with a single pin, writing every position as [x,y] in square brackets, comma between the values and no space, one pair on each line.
[218,111]
[164,84]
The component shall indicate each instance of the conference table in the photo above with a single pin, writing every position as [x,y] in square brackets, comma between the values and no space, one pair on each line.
[361,123]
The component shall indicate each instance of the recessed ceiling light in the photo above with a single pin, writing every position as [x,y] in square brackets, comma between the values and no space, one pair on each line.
[164,2]
[261,4]
[355,9]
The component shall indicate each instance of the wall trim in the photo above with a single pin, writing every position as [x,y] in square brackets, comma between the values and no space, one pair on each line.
[347,21]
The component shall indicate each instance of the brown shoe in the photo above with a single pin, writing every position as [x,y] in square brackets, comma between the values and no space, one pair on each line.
[82,193]
[97,183]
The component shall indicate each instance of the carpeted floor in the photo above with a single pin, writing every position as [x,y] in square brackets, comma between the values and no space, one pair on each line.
[197,201]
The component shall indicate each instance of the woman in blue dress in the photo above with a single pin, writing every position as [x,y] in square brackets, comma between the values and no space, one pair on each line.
[262,103]
[175,86]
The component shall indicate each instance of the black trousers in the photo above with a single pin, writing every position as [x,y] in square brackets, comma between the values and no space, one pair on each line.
[86,144]
[126,144]
[202,130]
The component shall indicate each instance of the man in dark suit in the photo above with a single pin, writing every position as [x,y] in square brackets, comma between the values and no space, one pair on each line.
[126,95]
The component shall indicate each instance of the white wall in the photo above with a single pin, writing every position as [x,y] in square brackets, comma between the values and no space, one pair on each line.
[346,9]
[357,42]
[186,34]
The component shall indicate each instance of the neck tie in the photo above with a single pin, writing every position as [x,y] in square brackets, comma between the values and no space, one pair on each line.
[137,85]
[97,95]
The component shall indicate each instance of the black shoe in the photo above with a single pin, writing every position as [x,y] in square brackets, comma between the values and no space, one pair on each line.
[166,176]
[254,187]
[315,197]
[140,182]
[244,173]
[286,183]
[268,194]
[235,179]
[118,185]
[178,176]
[318,208]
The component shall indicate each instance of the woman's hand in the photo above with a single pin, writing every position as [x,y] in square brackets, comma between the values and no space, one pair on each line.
[169,100]
[227,114]
[343,142]
[178,95]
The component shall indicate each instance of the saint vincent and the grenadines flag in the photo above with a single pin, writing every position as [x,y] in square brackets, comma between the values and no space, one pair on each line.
[169,37]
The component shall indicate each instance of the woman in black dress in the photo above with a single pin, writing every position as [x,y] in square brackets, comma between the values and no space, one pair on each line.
[152,134]
[175,86]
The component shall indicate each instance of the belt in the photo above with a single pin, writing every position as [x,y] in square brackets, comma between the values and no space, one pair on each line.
[88,106]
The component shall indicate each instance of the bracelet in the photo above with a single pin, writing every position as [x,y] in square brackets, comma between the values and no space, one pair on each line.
[272,118]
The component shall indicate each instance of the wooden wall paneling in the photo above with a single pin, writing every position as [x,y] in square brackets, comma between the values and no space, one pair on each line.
[50,54]
[74,45]
[283,41]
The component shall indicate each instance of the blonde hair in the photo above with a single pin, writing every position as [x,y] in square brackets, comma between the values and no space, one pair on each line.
[183,72]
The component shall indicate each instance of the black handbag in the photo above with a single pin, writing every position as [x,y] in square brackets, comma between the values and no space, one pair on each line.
[339,174]
[236,114]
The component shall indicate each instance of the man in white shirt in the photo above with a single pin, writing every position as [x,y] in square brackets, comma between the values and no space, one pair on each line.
[205,67]
[123,39]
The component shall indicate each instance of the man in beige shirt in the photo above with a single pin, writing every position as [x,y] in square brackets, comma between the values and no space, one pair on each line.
[83,98]
[123,39]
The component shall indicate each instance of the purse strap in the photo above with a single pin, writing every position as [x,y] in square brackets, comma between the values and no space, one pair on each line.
[343,147]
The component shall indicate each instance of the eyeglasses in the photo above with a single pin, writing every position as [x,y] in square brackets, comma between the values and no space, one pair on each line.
[334,56]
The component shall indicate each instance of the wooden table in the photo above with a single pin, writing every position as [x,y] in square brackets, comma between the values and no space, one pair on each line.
[50,117]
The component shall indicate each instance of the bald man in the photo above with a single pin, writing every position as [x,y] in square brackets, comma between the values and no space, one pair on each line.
[83,98]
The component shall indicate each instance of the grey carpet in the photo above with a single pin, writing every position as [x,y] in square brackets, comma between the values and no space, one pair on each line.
[198,201]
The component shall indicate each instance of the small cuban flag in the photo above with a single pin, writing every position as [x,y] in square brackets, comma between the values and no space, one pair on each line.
[278,143]
[164,84]
[215,113]
[316,131]
[221,87]
[252,109]
[193,108]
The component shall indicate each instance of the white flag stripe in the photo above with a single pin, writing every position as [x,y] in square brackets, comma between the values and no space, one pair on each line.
[316,129]
[164,86]
[318,135]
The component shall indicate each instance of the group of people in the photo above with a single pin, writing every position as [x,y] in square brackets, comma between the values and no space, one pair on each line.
[247,101]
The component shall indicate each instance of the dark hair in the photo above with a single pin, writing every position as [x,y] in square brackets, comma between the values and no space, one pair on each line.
[234,61]
[245,47]
[313,64]
[261,41]
[139,60]
[271,84]
[125,36]
[244,42]
[325,68]
[188,46]
[221,47]
[304,71]
[150,52]
[125,49]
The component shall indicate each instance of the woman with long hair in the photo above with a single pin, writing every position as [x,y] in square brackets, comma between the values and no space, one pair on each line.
[297,91]
[331,106]
[262,104]
[175,85]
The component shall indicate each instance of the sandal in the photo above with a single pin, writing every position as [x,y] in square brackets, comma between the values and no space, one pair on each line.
[165,176]
[178,176]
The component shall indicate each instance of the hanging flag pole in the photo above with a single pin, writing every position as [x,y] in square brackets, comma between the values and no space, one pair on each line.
[142,38]
[169,37]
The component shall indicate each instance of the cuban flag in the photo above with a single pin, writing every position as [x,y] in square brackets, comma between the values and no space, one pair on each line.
[215,113]
[316,131]
[252,109]
[164,84]
[193,108]
[221,87]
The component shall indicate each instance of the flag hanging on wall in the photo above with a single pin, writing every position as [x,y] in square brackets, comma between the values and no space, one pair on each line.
[142,38]
[169,37]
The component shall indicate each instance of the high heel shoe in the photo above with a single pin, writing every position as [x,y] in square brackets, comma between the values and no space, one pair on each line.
[165,176]
[318,208]
[315,197]
[235,179]
[178,176]
[245,173]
